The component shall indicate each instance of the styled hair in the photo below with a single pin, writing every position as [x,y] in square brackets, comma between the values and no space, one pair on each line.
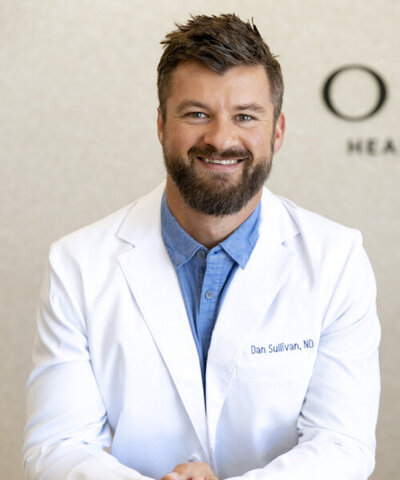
[219,43]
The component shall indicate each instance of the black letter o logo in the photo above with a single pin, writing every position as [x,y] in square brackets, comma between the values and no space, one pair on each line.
[326,93]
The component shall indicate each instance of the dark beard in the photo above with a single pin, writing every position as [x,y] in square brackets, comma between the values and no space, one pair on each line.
[214,194]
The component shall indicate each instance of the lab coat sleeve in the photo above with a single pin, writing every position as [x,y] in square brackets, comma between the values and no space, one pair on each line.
[66,430]
[336,426]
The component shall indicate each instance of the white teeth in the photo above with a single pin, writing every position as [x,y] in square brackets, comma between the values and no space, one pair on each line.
[220,162]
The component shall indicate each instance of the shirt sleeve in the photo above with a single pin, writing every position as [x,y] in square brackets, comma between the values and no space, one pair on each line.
[67,432]
[336,426]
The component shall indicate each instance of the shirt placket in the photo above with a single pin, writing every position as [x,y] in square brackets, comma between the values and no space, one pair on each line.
[209,298]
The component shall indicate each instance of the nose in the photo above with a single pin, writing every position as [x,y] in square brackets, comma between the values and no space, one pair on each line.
[221,134]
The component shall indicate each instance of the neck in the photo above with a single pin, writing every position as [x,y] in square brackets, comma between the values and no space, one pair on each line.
[208,230]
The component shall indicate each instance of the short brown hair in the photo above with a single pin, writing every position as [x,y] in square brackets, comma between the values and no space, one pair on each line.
[219,43]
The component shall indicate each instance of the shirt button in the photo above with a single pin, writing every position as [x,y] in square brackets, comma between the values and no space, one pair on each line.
[201,254]
[194,458]
[209,294]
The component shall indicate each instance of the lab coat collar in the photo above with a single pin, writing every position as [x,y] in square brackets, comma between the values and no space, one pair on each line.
[247,301]
[156,290]
[144,218]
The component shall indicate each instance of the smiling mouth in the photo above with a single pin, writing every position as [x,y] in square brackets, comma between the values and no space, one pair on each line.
[218,161]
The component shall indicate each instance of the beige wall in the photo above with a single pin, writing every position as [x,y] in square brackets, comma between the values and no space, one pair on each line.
[78,140]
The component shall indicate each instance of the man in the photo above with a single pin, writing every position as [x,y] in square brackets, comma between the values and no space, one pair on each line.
[211,329]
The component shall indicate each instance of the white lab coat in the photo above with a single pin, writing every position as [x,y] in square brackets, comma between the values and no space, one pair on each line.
[292,380]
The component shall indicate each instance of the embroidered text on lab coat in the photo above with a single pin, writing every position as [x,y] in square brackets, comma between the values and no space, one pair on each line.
[281,347]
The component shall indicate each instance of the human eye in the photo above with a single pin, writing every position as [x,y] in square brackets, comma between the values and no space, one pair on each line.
[196,115]
[244,117]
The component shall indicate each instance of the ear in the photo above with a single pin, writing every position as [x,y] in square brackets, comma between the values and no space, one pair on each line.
[279,132]
[160,125]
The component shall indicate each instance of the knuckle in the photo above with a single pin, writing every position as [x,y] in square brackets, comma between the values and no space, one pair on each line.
[180,468]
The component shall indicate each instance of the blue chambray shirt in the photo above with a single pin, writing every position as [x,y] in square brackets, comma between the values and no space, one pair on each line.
[204,275]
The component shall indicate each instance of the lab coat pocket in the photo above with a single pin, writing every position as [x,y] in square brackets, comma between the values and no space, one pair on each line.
[267,371]
[282,386]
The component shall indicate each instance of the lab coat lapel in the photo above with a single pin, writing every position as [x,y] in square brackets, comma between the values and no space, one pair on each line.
[247,301]
[155,287]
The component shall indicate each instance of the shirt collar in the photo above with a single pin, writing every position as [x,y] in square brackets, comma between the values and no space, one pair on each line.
[181,246]
[240,243]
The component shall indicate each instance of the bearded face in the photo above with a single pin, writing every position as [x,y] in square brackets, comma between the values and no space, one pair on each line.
[214,192]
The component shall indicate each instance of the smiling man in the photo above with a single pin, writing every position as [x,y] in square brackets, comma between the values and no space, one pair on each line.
[218,134]
[210,330]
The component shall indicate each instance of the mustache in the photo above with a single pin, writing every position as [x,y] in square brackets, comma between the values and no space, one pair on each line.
[211,153]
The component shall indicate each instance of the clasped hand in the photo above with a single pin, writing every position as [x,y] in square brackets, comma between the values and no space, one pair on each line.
[191,471]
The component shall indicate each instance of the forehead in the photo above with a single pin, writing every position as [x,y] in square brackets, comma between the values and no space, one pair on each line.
[244,84]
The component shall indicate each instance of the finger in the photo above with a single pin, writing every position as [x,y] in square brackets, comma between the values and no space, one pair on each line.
[171,476]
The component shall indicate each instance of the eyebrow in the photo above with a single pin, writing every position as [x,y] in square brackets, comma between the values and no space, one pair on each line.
[253,107]
[190,104]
